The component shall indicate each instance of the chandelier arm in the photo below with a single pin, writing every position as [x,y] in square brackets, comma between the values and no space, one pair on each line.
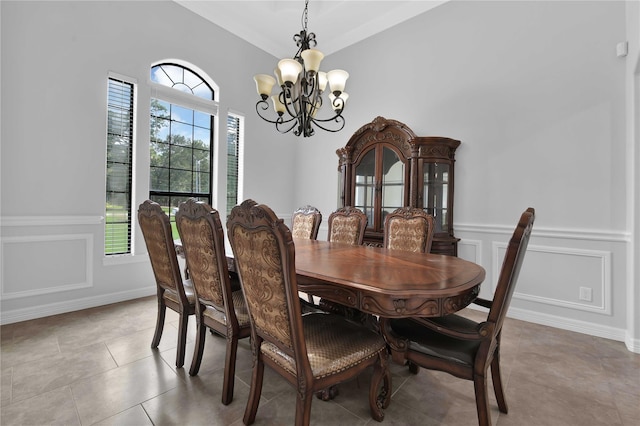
[308,85]
[264,105]
[317,102]
[337,118]
[294,101]
[281,122]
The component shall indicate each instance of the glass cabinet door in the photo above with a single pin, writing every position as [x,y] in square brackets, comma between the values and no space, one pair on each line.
[365,185]
[393,178]
[379,185]
[436,193]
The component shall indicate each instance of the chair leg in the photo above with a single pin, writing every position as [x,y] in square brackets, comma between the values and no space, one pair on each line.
[199,349]
[229,370]
[255,391]
[303,408]
[496,377]
[380,388]
[482,401]
[162,309]
[182,339]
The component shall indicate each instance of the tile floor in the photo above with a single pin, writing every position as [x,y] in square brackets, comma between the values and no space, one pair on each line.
[96,367]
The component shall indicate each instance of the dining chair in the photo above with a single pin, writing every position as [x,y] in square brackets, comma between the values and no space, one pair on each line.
[218,307]
[172,291]
[311,352]
[347,225]
[408,229]
[460,346]
[305,222]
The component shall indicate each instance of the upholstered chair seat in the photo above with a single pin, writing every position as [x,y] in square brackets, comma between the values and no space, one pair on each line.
[172,295]
[218,314]
[438,345]
[336,345]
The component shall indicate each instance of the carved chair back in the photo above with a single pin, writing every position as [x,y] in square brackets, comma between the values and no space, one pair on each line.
[408,229]
[510,270]
[305,223]
[202,239]
[264,257]
[347,225]
[156,230]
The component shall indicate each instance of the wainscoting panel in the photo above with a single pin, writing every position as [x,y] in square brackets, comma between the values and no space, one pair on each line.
[42,264]
[568,277]
[470,250]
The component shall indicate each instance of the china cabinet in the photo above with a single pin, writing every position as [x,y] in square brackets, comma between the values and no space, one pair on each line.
[384,166]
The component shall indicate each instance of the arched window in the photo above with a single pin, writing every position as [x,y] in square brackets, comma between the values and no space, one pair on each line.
[182,119]
[183,79]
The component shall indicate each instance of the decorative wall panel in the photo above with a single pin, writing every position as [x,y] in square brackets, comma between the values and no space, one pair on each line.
[42,264]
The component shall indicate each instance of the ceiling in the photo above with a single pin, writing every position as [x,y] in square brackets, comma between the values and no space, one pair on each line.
[270,25]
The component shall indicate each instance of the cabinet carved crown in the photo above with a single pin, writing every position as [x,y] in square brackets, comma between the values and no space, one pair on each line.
[385,166]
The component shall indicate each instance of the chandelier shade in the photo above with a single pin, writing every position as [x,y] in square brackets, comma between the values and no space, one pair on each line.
[300,86]
[264,84]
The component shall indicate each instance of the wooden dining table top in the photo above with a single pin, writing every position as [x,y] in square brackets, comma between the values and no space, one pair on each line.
[384,282]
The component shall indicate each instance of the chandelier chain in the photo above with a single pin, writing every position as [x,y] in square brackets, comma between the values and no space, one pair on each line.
[305,15]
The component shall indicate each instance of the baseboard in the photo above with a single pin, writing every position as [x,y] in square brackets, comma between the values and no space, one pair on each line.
[33,312]
[632,344]
[564,323]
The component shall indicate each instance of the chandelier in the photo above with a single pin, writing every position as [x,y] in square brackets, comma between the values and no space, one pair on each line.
[301,87]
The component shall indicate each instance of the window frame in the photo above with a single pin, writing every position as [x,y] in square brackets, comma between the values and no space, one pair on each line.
[132,157]
[239,154]
[190,101]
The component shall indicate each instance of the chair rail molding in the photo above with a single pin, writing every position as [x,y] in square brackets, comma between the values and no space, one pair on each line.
[12,221]
[558,233]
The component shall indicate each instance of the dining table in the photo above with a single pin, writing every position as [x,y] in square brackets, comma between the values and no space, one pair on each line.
[386,283]
[383,282]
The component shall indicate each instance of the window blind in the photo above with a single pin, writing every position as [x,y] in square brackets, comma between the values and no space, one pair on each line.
[120,104]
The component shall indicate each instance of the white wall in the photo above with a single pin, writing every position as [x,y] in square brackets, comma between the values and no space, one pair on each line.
[56,57]
[633,173]
[534,91]
[536,94]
